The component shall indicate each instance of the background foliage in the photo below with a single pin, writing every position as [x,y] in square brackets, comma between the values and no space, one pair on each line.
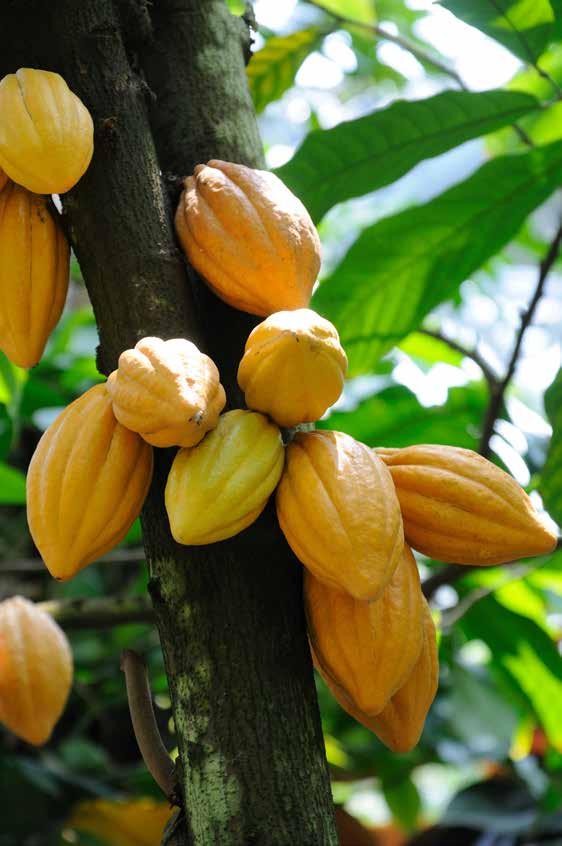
[426,141]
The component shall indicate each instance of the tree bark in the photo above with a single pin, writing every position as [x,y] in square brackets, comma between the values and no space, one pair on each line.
[230,618]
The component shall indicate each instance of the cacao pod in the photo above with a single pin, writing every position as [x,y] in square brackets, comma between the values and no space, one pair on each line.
[460,508]
[35,670]
[400,724]
[338,509]
[86,484]
[46,132]
[293,367]
[3,179]
[139,822]
[167,391]
[34,273]
[368,648]
[249,237]
[222,485]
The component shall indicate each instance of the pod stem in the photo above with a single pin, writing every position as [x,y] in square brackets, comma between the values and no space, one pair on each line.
[152,749]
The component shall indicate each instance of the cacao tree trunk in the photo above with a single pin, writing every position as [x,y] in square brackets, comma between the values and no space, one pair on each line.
[252,764]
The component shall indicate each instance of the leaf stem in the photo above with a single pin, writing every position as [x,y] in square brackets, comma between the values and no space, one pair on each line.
[497,398]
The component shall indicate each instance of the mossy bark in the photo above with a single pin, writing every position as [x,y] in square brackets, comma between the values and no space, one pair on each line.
[252,765]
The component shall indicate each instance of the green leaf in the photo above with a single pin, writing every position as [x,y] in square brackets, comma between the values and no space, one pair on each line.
[12,486]
[403,801]
[362,155]
[550,485]
[523,654]
[472,695]
[355,10]
[395,418]
[523,26]
[272,69]
[402,267]
[425,348]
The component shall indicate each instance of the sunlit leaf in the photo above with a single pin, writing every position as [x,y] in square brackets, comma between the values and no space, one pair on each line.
[523,26]
[355,10]
[272,69]
[524,654]
[362,155]
[12,486]
[551,477]
[400,268]
[395,418]
[430,350]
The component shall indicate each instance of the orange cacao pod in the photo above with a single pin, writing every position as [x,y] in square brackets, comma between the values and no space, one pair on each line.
[35,670]
[293,367]
[86,484]
[46,132]
[249,237]
[34,273]
[400,724]
[167,391]
[338,510]
[3,179]
[368,648]
[460,508]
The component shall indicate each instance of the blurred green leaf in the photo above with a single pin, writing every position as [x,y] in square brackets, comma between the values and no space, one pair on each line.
[550,484]
[430,350]
[523,653]
[359,156]
[471,697]
[12,486]
[403,801]
[395,418]
[356,10]
[272,69]
[523,26]
[402,267]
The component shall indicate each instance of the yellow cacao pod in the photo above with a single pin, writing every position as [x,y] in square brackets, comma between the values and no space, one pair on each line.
[368,648]
[400,724]
[3,179]
[46,132]
[35,670]
[222,485]
[86,484]
[338,510]
[34,272]
[139,822]
[167,391]
[293,367]
[249,237]
[460,508]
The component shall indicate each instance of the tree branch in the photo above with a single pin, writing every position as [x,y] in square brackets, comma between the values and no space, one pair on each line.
[103,613]
[152,749]
[496,404]
[35,565]
[473,354]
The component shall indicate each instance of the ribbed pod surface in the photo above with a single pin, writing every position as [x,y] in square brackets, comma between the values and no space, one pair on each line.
[222,485]
[293,367]
[368,648]
[46,132]
[34,273]
[167,391]
[249,237]
[35,670]
[86,484]
[460,508]
[338,509]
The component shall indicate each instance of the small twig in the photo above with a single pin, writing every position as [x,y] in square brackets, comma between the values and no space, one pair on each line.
[473,354]
[151,747]
[98,613]
[35,565]
[498,394]
[452,573]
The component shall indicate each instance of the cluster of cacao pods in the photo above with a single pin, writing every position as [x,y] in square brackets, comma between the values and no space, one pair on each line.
[349,513]
[46,144]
